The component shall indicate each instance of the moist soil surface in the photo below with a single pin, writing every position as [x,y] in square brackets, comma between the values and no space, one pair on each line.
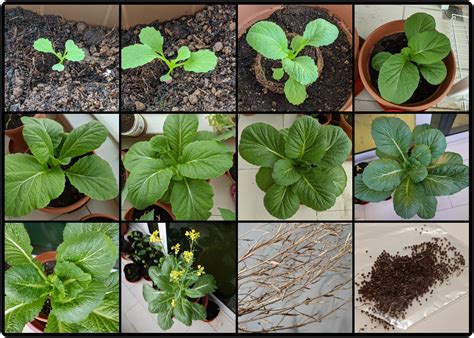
[126,122]
[212,28]
[13,121]
[330,91]
[48,269]
[159,213]
[31,85]
[394,44]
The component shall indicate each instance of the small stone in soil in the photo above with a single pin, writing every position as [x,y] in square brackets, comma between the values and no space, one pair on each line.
[218,46]
[139,105]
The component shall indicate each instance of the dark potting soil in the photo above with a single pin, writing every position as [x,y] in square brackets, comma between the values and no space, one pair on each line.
[13,121]
[348,118]
[322,118]
[212,310]
[394,44]
[159,213]
[328,93]
[123,176]
[48,269]
[31,84]
[126,122]
[212,28]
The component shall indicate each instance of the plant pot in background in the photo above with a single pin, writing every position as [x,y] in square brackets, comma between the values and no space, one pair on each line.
[212,311]
[17,143]
[232,170]
[364,60]
[347,127]
[132,125]
[327,118]
[132,272]
[99,217]
[163,206]
[67,209]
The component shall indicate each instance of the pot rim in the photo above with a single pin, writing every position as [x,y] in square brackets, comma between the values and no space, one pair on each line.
[165,206]
[102,215]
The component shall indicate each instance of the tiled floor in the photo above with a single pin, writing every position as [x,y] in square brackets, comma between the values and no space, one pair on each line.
[108,151]
[370,17]
[250,197]
[454,207]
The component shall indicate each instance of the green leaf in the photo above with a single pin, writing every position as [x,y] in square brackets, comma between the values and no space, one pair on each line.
[138,153]
[73,278]
[366,194]
[417,23]
[166,78]
[383,175]
[180,130]
[320,32]
[206,284]
[149,293]
[306,141]
[18,313]
[183,54]
[416,171]
[161,282]
[268,39]
[446,158]
[398,79]
[25,283]
[93,252]
[281,202]
[407,198]
[298,42]
[18,247]
[39,142]
[56,326]
[205,160]
[52,128]
[83,139]
[192,199]
[295,92]
[428,207]
[183,312]
[151,37]
[379,59]
[29,185]
[284,173]
[302,69]
[198,311]
[264,178]
[109,229]
[227,214]
[58,67]
[419,129]
[337,177]
[338,146]
[76,309]
[429,47]
[434,73]
[434,139]
[165,319]
[392,136]
[262,145]
[422,153]
[406,52]
[278,73]
[148,182]
[315,190]
[105,317]
[201,61]
[44,45]
[446,179]
[93,177]
[73,52]
[137,55]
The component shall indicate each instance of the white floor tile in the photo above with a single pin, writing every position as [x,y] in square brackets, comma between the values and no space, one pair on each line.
[359,212]
[460,213]
[222,324]
[127,326]
[460,198]
[128,299]
[370,17]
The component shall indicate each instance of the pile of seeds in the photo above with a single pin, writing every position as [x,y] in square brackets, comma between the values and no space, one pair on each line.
[397,281]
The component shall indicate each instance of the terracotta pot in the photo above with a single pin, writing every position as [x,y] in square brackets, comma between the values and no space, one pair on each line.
[358,86]
[17,144]
[122,156]
[123,228]
[390,28]
[347,129]
[167,207]
[67,209]
[249,14]
[112,218]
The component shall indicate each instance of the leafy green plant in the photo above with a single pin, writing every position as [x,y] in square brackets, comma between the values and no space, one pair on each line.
[83,292]
[33,180]
[174,168]
[299,165]
[178,286]
[412,166]
[223,124]
[227,214]
[71,52]
[141,251]
[151,48]
[399,74]
[269,40]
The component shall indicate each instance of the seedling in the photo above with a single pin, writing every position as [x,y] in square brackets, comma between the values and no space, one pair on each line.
[71,52]
[269,40]
[151,48]
[399,74]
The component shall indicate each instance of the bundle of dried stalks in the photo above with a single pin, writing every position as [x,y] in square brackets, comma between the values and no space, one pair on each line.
[280,263]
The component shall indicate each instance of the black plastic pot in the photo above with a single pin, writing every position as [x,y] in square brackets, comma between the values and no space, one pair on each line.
[133,272]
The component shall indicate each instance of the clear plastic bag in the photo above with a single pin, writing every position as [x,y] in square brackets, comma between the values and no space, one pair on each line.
[393,237]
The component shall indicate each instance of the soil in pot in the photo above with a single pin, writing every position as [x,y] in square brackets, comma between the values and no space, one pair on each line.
[160,214]
[233,170]
[123,175]
[31,84]
[133,272]
[394,44]
[212,310]
[13,121]
[322,118]
[48,269]
[348,118]
[212,28]
[126,122]
[330,91]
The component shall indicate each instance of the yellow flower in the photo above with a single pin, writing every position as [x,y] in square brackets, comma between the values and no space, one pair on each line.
[188,255]
[192,235]
[155,237]
[173,303]
[200,270]
[176,248]
[176,275]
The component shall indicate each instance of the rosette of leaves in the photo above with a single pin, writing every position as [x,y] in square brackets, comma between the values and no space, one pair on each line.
[175,168]
[299,165]
[33,180]
[399,74]
[269,40]
[71,52]
[83,292]
[413,167]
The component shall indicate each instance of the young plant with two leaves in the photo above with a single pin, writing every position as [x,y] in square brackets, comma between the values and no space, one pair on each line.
[299,165]
[151,48]
[33,179]
[179,285]
[269,40]
[399,74]
[71,52]
[175,167]
[83,290]
[413,167]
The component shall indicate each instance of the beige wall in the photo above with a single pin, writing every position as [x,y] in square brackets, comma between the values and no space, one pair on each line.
[104,15]
[144,14]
